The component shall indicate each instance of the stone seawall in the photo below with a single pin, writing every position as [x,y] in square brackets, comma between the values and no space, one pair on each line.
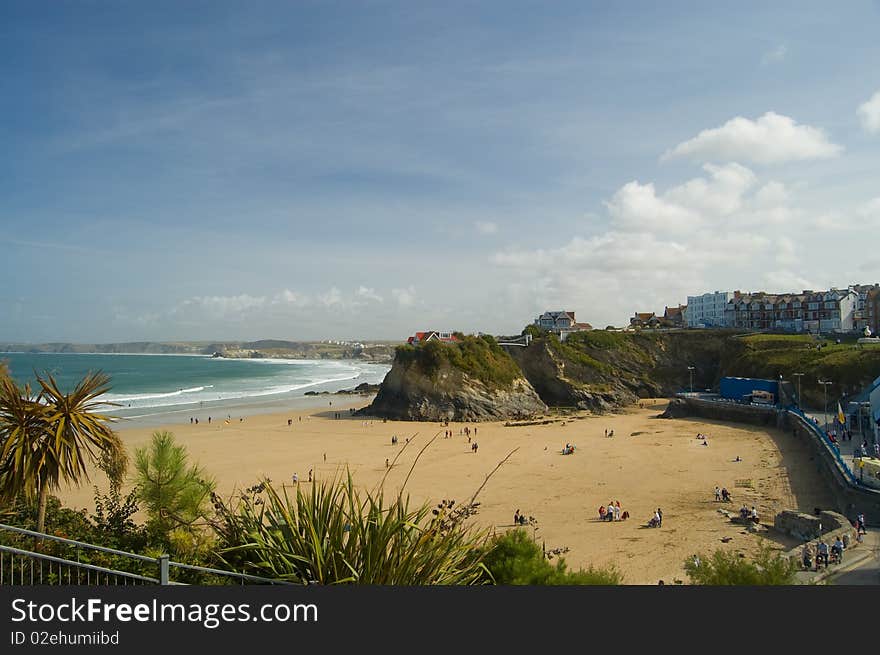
[827,527]
[850,499]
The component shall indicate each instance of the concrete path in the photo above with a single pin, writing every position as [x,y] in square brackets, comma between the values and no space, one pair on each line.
[861,565]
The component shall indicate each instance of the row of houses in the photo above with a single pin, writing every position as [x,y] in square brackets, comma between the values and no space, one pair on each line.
[853,309]
[672,317]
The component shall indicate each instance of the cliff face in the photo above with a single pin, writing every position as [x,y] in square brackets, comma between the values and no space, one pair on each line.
[602,370]
[408,394]
[473,380]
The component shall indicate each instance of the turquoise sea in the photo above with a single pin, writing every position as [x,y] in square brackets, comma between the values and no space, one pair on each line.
[170,388]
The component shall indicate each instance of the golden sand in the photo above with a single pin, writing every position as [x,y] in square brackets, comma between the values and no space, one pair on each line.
[648,463]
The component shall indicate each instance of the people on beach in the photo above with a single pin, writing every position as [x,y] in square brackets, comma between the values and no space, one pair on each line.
[325,457]
[295,478]
[209,420]
[753,515]
[516,517]
[190,420]
[617,511]
[609,511]
[660,517]
[656,521]
[310,475]
[725,495]
[386,463]
[474,447]
[602,512]
[717,493]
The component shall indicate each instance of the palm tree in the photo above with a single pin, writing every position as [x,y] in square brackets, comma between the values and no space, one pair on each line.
[52,437]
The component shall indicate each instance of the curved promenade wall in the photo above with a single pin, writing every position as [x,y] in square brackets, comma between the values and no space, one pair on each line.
[851,497]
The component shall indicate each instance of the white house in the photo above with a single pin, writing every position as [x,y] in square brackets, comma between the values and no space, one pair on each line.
[707,310]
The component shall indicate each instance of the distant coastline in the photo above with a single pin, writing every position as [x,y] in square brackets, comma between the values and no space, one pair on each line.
[261,349]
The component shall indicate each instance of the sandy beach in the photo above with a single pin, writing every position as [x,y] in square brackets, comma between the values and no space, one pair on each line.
[648,463]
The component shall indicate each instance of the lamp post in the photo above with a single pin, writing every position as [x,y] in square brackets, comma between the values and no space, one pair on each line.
[825,384]
[799,376]
[691,371]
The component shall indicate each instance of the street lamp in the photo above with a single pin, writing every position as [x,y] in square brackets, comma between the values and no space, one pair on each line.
[691,370]
[799,376]
[825,384]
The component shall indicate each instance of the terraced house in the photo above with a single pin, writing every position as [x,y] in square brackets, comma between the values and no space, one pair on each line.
[809,311]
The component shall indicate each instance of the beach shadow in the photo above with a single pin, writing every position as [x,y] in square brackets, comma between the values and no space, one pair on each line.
[343,415]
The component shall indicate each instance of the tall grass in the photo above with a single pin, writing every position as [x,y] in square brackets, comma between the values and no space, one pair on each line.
[332,533]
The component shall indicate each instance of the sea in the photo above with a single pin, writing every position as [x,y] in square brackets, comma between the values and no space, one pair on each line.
[161,389]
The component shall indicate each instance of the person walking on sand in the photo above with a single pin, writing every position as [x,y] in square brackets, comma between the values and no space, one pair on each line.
[310,475]
[717,494]
[659,518]
[325,457]
[386,463]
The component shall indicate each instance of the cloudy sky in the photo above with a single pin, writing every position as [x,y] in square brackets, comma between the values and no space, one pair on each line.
[306,170]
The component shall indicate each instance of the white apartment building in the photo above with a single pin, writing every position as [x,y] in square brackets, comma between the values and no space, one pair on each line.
[707,310]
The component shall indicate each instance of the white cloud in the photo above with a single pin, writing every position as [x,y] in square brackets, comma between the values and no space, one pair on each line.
[698,202]
[771,139]
[288,297]
[368,293]
[486,227]
[869,113]
[404,297]
[332,298]
[727,228]
[776,54]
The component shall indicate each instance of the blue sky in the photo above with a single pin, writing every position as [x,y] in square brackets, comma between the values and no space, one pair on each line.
[312,170]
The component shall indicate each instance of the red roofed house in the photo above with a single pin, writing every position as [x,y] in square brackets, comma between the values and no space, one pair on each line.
[428,335]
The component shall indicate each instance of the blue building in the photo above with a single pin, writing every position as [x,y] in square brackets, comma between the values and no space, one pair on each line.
[750,390]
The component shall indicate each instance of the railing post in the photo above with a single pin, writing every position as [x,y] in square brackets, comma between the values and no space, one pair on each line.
[163,561]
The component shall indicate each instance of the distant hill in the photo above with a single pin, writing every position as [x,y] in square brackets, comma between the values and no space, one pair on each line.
[265,348]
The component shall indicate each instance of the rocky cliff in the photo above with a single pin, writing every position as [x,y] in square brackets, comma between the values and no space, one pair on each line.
[471,381]
[602,370]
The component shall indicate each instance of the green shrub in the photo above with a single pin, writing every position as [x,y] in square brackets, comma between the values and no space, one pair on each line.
[729,568]
[514,559]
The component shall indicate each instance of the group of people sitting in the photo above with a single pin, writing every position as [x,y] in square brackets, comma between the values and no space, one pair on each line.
[822,554]
[569,449]
[656,521]
[519,519]
[747,514]
[612,512]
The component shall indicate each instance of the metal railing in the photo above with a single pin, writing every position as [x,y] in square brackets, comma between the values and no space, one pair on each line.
[23,567]
[826,441]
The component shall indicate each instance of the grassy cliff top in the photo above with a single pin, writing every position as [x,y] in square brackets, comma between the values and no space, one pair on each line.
[480,358]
